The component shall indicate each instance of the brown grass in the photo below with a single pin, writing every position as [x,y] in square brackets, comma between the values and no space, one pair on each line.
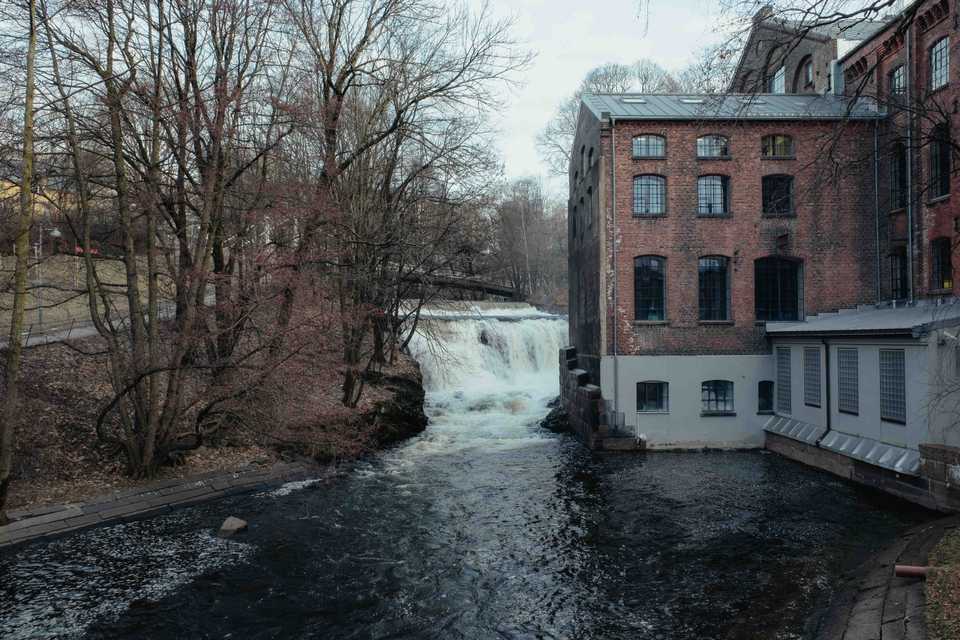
[943,589]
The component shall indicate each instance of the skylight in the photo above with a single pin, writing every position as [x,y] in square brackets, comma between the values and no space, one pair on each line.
[633,100]
[691,100]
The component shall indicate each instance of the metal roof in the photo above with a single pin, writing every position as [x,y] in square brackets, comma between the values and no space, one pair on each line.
[915,321]
[730,106]
[846,29]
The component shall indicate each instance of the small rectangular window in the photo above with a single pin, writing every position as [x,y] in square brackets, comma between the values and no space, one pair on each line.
[777,82]
[848,381]
[893,385]
[649,146]
[783,380]
[811,376]
[941,271]
[652,397]
[716,397]
[713,197]
[765,396]
[777,195]
[898,85]
[898,273]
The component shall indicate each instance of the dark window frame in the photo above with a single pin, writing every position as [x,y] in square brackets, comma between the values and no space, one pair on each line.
[777,146]
[637,147]
[765,397]
[896,82]
[941,159]
[898,176]
[773,201]
[898,273]
[709,186]
[713,146]
[941,264]
[652,302]
[780,269]
[713,290]
[653,187]
[661,400]
[717,398]
[938,64]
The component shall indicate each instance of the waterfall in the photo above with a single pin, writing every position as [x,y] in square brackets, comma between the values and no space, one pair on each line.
[489,370]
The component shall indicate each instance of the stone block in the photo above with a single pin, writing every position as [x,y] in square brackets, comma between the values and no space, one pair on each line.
[933,469]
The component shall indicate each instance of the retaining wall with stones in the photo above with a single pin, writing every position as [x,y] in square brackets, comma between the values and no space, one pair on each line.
[147,500]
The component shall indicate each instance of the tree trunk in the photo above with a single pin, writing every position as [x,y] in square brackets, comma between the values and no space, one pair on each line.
[22,251]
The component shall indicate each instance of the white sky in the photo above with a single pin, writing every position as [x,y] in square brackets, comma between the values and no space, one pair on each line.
[570,37]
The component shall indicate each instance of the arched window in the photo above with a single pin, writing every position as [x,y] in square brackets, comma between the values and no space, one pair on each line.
[713,195]
[776,80]
[940,157]
[896,82]
[649,146]
[778,195]
[714,277]
[590,157]
[777,289]
[939,64]
[649,288]
[713,146]
[803,78]
[649,195]
[778,145]
[653,396]
[716,397]
[583,160]
[765,396]
[941,264]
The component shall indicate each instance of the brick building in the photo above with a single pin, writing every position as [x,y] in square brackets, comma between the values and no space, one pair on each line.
[695,220]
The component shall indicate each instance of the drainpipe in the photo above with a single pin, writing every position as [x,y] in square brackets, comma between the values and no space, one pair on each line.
[826,370]
[876,198]
[616,267]
[909,86]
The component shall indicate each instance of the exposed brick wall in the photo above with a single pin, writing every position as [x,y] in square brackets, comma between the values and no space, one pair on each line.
[833,231]
[769,47]
[867,70]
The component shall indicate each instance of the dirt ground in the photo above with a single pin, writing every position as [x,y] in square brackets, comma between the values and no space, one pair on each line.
[943,589]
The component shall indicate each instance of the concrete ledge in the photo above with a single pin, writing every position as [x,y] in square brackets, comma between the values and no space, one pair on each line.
[49,521]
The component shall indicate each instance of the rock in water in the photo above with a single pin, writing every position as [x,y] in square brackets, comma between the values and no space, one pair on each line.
[231,526]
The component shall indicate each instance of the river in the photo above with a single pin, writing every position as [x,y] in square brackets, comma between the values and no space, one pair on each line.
[484,526]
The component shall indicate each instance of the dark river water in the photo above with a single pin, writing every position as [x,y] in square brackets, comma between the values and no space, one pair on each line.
[483,527]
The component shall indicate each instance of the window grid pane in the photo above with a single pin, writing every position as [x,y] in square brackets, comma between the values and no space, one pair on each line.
[652,397]
[942,267]
[783,380]
[893,392]
[649,195]
[811,376]
[649,146]
[776,289]
[898,274]
[712,147]
[712,195]
[716,396]
[939,63]
[778,146]
[898,177]
[649,288]
[848,381]
[765,396]
[897,83]
[940,160]
[778,195]
[714,292]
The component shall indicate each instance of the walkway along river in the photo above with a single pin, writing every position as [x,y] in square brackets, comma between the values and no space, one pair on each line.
[485,526]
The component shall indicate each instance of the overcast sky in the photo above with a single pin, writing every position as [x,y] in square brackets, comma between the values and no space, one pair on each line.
[570,37]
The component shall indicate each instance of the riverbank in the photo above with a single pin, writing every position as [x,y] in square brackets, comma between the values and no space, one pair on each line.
[59,460]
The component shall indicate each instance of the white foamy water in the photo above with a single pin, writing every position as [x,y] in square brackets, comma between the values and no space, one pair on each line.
[488,377]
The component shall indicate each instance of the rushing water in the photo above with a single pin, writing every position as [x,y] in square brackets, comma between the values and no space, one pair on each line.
[482,527]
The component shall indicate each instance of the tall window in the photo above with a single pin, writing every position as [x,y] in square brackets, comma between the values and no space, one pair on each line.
[716,397]
[893,385]
[811,376]
[778,195]
[898,83]
[777,146]
[941,264]
[713,195]
[765,396]
[649,288]
[939,63]
[808,73]
[898,273]
[776,82]
[714,288]
[783,380]
[898,176]
[848,381]
[777,289]
[649,146]
[713,146]
[652,397]
[940,156]
[649,195]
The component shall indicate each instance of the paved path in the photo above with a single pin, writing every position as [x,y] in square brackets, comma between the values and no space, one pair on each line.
[875,604]
[147,500]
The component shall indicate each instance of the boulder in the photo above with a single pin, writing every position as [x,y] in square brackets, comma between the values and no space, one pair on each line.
[232,526]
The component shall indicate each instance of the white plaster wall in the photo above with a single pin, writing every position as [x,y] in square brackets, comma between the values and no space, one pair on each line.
[683,426]
[799,410]
[943,407]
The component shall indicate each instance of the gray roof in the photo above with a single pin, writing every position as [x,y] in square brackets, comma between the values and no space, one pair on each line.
[915,321]
[731,106]
[848,29]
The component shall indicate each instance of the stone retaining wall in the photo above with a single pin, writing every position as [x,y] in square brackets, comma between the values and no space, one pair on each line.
[147,500]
